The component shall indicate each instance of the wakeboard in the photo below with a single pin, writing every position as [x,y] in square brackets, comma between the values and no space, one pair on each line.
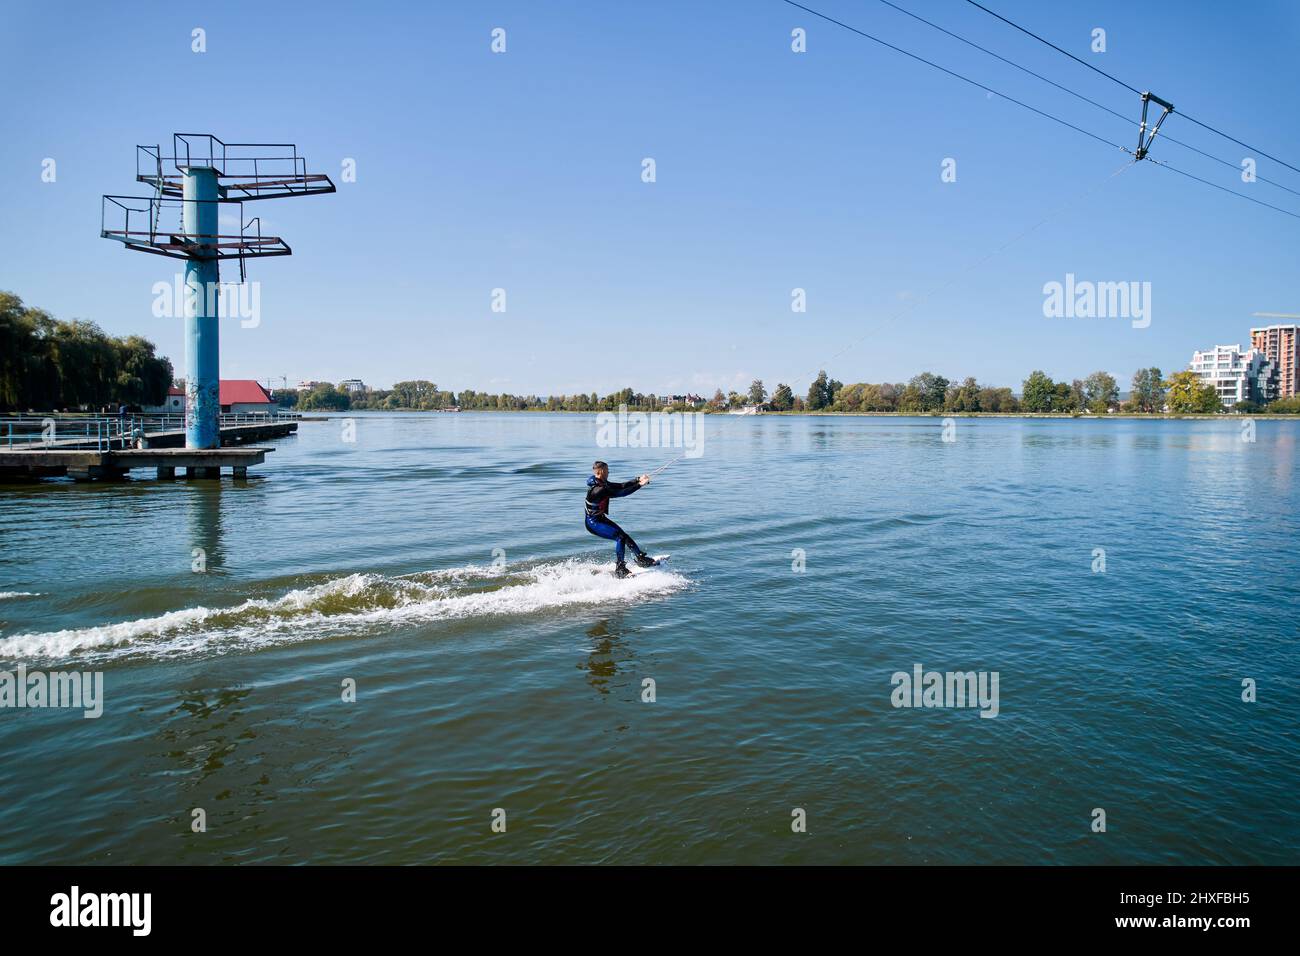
[632,567]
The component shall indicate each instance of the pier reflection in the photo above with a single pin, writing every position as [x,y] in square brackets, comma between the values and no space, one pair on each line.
[205,530]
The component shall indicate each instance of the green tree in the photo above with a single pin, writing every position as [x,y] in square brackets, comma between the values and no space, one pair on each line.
[925,392]
[1184,392]
[1037,392]
[417,393]
[1284,406]
[1069,398]
[325,397]
[819,393]
[783,398]
[964,397]
[1100,392]
[1148,391]
[143,371]
[47,364]
[757,394]
[1208,401]
[850,398]
[869,397]
[998,400]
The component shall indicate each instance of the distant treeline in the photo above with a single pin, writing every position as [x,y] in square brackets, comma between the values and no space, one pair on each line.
[929,393]
[421,395]
[926,393]
[47,364]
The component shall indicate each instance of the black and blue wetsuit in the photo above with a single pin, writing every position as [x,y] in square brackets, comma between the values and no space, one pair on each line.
[597,508]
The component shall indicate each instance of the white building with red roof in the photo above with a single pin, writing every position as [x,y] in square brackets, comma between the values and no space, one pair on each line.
[241,396]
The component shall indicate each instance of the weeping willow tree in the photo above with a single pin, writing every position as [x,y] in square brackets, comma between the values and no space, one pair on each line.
[48,364]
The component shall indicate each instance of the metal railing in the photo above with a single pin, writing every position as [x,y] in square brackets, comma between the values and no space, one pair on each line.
[253,170]
[138,221]
[49,432]
[106,432]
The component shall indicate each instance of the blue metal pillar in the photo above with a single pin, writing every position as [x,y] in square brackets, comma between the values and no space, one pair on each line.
[202,358]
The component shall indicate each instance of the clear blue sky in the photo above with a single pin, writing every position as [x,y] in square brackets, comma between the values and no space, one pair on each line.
[775,171]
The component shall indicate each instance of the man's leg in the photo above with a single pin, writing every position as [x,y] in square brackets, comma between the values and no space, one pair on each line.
[604,528]
[625,538]
[642,558]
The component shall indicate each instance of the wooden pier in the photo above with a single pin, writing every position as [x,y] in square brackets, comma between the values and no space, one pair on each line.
[230,435]
[88,465]
[105,457]
[173,438]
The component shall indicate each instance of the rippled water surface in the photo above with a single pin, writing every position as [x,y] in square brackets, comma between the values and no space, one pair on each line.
[440,562]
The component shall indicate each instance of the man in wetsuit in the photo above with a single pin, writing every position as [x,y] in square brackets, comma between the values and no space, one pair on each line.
[599,490]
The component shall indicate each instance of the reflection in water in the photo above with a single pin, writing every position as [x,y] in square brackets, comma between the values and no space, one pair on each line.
[1072,441]
[202,731]
[219,756]
[205,522]
[209,503]
[608,646]
[1151,442]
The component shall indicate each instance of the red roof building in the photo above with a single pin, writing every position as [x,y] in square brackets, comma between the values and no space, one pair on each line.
[244,395]
[238,395]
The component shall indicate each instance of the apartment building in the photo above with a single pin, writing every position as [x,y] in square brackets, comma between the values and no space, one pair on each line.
[1236,375]
[1281,346]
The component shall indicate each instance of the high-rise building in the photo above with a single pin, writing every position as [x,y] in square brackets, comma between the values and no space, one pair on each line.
[1281,345]
[1237,376]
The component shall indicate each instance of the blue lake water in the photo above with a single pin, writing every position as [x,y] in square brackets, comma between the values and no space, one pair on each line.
[440,562]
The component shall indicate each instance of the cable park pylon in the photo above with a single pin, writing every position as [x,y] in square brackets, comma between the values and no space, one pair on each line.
[180,220]
[1145,139]
[1147,131]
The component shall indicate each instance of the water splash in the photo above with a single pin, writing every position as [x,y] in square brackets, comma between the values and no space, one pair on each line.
[354,605]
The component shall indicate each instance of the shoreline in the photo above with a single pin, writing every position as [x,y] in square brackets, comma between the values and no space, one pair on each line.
[326,414]
[1138,416]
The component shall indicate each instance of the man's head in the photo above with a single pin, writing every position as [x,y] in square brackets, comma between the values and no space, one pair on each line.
[600,470]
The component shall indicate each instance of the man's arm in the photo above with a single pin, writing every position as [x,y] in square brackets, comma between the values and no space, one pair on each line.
[622,489]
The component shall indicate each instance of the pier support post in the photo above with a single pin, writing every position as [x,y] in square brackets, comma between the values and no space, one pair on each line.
[202,358]
[239,471]
[166,472]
